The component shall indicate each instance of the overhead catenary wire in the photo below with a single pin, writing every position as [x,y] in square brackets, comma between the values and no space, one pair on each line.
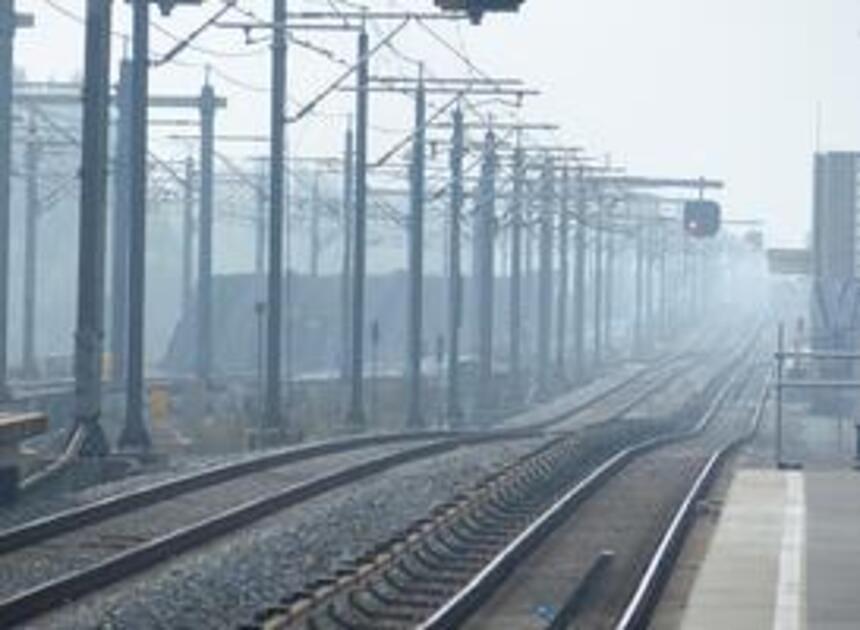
[337,83]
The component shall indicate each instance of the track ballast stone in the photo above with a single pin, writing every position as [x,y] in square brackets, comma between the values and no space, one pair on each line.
[225,583]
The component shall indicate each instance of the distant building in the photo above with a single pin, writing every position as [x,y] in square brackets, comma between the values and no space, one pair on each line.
[835,299]
[836,216]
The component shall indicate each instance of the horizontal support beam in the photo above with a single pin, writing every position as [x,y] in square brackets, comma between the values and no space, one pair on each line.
[294,20]
[373,15]
[494,125]
[176,102]
[466,91]
[447,80]
[631,181]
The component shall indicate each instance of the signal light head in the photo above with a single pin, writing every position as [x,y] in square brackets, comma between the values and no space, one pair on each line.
[702,218]
[475,9]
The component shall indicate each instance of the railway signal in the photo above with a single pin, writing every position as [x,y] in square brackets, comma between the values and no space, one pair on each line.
[702,218]
[166,6]
[475,9]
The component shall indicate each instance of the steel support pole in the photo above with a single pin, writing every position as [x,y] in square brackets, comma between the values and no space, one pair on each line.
[780,362]
[288,313]
[346,263]
[273,419]
[7,36]
[579,296]
[563,277]
[649,284]
[664,281]
[121,230]
[528,285]
[688,284]
[485,228]
[701,274]
[415,306]
[454,408]
[677,315]
[598,281]
[315,227]
[204,250]
[609,285]
[515,308]
[134,435]
[91,234]
[639,314]
[260,239]
[31,227]
[544,331]
[356,406]
[188,236]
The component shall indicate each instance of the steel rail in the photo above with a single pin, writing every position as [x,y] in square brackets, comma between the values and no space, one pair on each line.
[56,593]
[275,615]
[13,539]
[333,590]
[469,599]
[654,579]
[636,376]
[601,396]
[74,518]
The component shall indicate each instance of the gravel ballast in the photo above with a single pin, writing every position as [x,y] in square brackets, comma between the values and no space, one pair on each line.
[100,541]
[223,584]
[31,507]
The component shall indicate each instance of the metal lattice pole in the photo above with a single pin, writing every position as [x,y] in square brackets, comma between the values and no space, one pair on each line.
[121,230]
[356,407]
[579,278]
[348,244]
[134,435]
[416,261]
[91,235]
[544,331]
[187,236]
[31,167]
[273,417]
[515,315]
[204,263]
[454,409]
[563,272]
[485,217]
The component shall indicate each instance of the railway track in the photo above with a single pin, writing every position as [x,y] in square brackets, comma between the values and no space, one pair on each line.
[597,558]
[74,554]
[656,575]
[83,550]
[402,582]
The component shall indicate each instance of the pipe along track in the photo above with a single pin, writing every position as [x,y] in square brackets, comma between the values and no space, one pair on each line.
[66,586]
[402,582]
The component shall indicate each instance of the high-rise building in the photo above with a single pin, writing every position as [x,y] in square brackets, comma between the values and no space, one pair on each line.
[835,299]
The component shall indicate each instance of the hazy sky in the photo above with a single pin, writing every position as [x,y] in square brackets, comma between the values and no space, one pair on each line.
[724,88]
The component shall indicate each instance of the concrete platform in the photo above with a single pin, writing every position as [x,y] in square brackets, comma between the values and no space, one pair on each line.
[785,555]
